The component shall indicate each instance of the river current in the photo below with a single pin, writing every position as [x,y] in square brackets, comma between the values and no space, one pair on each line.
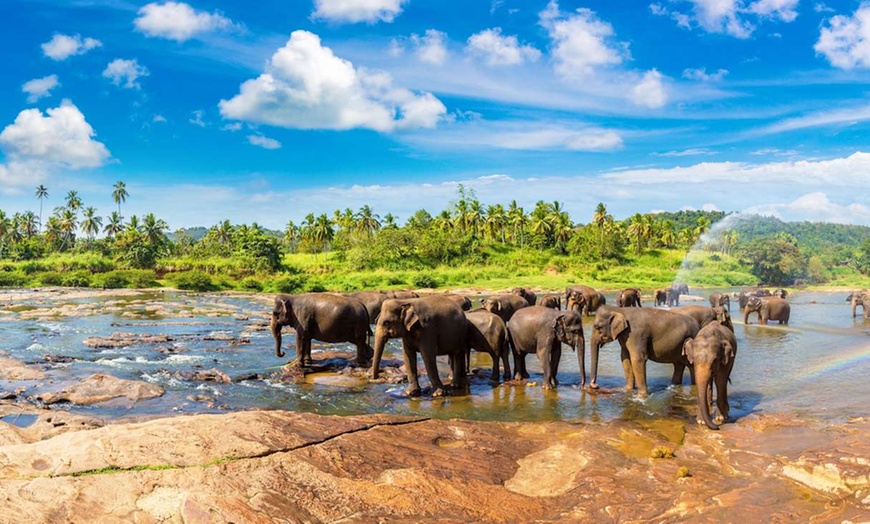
[817,367]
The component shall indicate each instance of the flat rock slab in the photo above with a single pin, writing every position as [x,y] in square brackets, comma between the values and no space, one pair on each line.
[120,340]
[100,388]
[275,466]
[14,370]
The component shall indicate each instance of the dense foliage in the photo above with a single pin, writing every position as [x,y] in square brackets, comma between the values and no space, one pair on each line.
[465,243]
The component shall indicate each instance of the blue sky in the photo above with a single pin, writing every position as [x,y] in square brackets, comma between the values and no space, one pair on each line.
[264,111]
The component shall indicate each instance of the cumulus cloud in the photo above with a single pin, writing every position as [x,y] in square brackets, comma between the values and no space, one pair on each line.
[306,86]
[650,91]
[36,143]
[178,21]
[39,87]
[125,73]
[581,42]
[845,40]
[431,48]
[354,11]
[685,152]
[498,50]
[264,142]
[816,207]
[737,18]
[61,47]
[703,76]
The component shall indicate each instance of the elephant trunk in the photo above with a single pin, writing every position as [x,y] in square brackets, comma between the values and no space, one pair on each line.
[380,342]
[579,346]
[276,334]
[703,384]
[594,346]
[746,316]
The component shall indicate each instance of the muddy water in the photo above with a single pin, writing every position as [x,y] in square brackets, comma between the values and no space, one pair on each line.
[816,367]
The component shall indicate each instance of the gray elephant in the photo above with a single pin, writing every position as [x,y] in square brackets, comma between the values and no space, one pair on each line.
[780,293]
[372,300]
[720,299]
[401,294]
[661,295]
[488,333]
[584,298]
[674,296]
[858,298]
[526,293]
[704,315]
[552,302]
[768,308]
[746,294]
[541,330]
[711,354]
[432,326]
[643,334]
[629,297]
[321,316]
[462,301]
[504,305]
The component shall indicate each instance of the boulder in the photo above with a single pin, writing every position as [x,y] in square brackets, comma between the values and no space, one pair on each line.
[100,388]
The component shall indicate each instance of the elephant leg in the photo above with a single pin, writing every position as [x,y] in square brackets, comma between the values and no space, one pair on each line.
[493,376]
[555,358]
[505,363]
[677,377]
[429,353]
[546,363]
[520,364]
[692,374]
[626,368]
[638,366]
[409,354]
[722,398]
[300,348]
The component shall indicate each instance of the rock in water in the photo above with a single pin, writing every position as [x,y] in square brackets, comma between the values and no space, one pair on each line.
[100,388]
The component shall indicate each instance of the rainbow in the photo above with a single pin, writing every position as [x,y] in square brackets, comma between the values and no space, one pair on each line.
[856,356]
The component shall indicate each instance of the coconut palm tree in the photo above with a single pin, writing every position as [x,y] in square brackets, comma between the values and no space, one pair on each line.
[68,226]
[154,230]
[91,223]
[73,202]
[322,232]
[367,221]
[390,221]
[119,194]
[132,225]
[224,232]
[41,194]
[115,224]
[29,224]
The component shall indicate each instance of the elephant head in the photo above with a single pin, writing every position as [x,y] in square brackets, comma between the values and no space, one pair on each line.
[568,329]
[723,317]
[525,293]
[398,319]
[608,325]
[576,301]
[492,305]
[282,315]
[706,354]
[752,305]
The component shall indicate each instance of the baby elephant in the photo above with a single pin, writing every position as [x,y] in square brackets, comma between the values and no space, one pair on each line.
[711,354]
[541,330]
[552,302]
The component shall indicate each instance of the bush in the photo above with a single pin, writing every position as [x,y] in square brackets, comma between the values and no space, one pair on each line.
[13,279]
[193,281]
[50,278]
[286,284]
[77,279]
[110,280]
[421,280]
[251,284]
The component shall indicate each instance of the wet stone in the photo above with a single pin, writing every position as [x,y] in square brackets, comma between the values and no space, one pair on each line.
[119,340]
[208,375]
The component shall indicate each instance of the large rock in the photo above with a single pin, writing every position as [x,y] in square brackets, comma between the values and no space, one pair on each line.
[99,388]
[14,370]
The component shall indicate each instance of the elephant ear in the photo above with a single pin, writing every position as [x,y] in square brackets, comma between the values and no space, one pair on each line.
[689,350]
[409,316]
[728,354]
[559,327]
[618,324]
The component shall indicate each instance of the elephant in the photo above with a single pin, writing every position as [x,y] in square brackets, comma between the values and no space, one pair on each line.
[704,315]
[488,333]
[629,297]
[768,308]
[643,334]
[780,293]
[463,301]
[552,302]
[432,326]
[674,296]
[590,302]
[858,298]
[325,317]
[401,294]
[711,354]
[542,330]
[526,293]
[662,296]
[682,288]
[720,299]
[504,305]
[372,300]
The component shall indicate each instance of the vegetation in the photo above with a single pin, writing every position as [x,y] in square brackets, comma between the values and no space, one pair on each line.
[466,244]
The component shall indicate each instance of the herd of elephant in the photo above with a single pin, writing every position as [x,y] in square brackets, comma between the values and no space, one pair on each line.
[519,323]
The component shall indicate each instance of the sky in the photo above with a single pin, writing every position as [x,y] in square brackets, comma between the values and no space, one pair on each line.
[265,111]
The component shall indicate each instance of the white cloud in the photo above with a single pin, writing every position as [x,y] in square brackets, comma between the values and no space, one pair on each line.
[581,42]
[196,119]
[785,10]
[61,47]
[125,73]
[498,50]
[840,116]
[650,92]
[37,143]
[702,75]
[686,152]
[845,40]
[264,142]
[39,87]
[306,86]
[815,207]
[159,119]
[737,18]
[235,126]
[178,21]
[431,47]
[354,11]
[820,7]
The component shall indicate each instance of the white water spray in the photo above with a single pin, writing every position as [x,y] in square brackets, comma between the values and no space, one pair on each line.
[710,236]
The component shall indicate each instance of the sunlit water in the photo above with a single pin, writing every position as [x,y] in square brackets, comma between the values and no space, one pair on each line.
[816,367]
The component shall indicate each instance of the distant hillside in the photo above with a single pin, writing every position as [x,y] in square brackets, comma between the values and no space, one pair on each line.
[812,236]
[689,219]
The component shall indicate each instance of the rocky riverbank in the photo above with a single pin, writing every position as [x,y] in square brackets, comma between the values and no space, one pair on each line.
[276,466]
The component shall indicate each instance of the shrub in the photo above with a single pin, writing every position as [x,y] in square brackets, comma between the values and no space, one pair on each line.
[110,280]
[251,284]
[421,280]
[13,279]
[50,278]
[286,284]
[77,279]
[193,281]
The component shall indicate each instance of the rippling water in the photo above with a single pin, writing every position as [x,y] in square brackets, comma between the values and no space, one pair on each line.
[817,366]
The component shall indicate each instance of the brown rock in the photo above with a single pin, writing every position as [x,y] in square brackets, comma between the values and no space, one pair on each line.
[99,388]
[206,375]
[11,369]
[119,340]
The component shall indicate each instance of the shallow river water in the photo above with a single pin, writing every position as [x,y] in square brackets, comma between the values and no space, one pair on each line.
[816,367]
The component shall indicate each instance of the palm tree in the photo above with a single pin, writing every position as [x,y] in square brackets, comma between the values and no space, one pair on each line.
[41,194]
[518,221]
[29,224]
[5,226]
[132,225]
[368,222]
[73,202]
[443,222]
[474,217]
[115,224]
[154,230]
[224,232]
[120,194]
[322,232]
[668,238]
[68,225]
[291,233]
[390,221]
[635,232]
[91,223]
